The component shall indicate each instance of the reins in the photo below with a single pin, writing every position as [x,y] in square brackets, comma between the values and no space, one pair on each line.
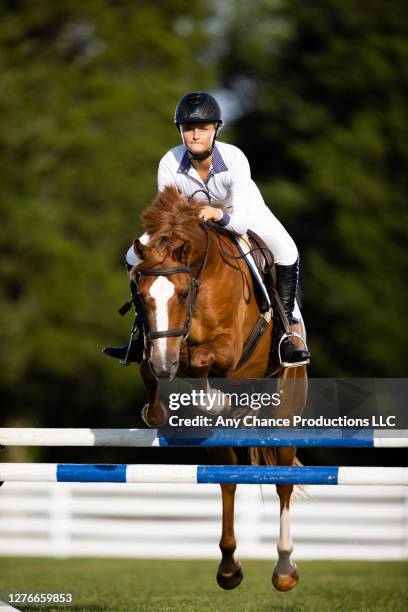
[225,257]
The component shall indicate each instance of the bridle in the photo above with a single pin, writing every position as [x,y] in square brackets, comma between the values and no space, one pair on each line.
[194,282]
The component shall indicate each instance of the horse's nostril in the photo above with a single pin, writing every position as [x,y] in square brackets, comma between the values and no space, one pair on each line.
[164,374]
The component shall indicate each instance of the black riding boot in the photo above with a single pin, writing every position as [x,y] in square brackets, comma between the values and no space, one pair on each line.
[286,286]
[133,351]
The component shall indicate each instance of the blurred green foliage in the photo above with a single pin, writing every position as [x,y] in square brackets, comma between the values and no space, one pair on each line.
[323,89]
[88,93]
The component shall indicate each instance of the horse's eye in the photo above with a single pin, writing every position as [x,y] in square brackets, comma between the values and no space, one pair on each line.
[182,297]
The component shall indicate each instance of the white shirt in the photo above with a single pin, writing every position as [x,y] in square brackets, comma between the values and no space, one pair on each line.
[229,181]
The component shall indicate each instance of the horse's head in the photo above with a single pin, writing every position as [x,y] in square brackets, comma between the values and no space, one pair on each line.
[166,290]
[165,277]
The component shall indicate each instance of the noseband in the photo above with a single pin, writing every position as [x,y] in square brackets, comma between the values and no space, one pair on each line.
[192,293]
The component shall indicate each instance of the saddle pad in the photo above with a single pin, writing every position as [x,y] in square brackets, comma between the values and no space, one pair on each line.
[244,246]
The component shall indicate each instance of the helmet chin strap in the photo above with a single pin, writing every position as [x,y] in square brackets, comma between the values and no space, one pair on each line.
[200,156]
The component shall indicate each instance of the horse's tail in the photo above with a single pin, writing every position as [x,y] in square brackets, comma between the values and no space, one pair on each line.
[267,456]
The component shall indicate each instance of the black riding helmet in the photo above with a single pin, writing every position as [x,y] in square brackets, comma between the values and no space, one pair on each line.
[198,107]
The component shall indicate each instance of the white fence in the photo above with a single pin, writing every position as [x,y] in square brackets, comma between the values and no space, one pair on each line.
[184,521]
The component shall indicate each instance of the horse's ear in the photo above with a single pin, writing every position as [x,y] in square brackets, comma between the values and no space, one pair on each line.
[139,249]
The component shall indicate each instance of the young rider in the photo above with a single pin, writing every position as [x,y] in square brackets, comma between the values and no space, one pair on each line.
[201,166]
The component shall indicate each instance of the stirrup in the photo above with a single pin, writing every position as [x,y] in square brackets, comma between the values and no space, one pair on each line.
[287,364]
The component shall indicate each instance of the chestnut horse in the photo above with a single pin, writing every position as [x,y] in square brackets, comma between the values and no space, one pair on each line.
[199,308]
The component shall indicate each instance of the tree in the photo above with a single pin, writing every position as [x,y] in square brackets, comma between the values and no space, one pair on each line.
[89,90]
[321,88]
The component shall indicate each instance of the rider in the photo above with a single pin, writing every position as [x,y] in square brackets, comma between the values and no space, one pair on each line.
[201,166]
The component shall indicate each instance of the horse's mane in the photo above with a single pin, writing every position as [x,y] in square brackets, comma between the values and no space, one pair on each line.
[171,215]
[170,220]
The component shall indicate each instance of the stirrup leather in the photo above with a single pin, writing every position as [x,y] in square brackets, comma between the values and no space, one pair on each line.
[287,364]
[134,334]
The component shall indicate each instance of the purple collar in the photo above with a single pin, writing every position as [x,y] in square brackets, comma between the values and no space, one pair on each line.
[218,164]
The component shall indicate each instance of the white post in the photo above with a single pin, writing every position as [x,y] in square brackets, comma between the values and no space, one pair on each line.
[60,518]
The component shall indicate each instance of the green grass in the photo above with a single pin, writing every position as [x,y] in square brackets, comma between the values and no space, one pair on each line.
[163,585]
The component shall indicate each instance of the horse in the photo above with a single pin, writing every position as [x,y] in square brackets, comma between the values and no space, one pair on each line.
[199,308]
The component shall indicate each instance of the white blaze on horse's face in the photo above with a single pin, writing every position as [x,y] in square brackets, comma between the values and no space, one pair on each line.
[161,290]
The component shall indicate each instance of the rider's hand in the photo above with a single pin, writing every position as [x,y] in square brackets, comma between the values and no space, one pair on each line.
[209,213]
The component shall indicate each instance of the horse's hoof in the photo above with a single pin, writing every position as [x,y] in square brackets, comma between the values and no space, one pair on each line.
[230,581]
[143,414]
[285,583]
[159,420]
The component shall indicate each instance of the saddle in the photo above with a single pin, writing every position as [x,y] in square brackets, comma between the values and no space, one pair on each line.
[260,262]
[253,249]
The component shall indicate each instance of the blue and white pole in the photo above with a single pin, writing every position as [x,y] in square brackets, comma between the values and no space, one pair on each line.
[357,438]
[200,474]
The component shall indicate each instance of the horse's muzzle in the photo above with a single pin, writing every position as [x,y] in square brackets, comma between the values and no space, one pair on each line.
[166,371]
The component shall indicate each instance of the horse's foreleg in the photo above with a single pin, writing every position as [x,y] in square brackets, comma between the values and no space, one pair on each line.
[153,413]
[285,575]
[229,573]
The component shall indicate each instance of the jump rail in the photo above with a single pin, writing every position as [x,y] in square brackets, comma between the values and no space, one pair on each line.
[364,438]
[200,474]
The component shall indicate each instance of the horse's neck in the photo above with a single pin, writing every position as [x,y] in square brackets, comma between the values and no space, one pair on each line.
[224,264]
[225,313]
